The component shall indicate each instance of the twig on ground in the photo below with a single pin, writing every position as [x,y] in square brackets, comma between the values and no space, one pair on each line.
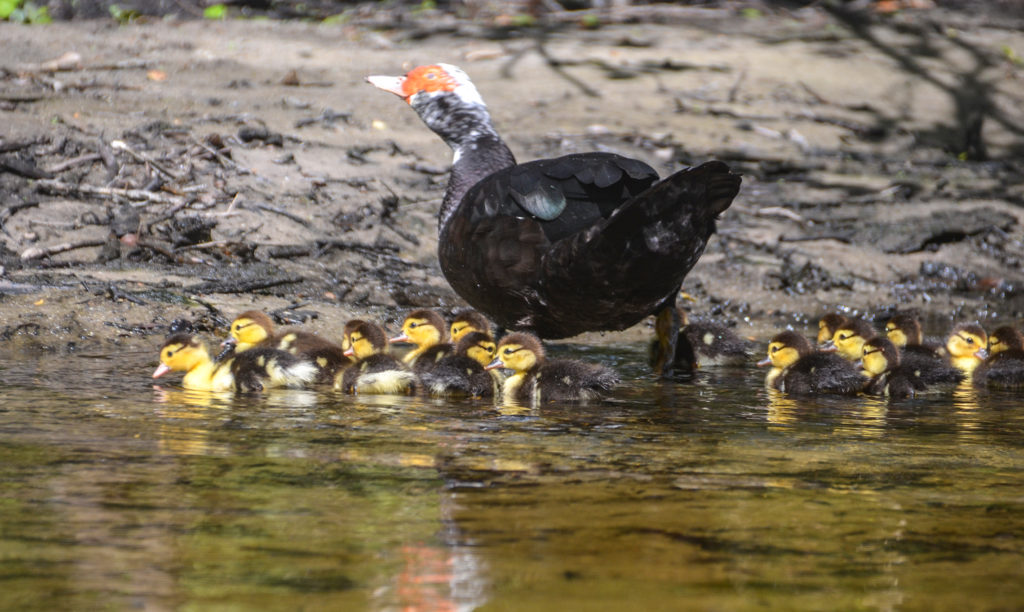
[41,252]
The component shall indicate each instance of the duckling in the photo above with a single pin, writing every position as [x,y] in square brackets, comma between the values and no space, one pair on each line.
[425,329]
[963,344]
[467,321]
[849,338]
[536,379]
[252,370]
[1003,367]
[702,344]
[375,371]
[828,325]
[253,328]
[888,375]
[799,369]
[931,363]
[463,372]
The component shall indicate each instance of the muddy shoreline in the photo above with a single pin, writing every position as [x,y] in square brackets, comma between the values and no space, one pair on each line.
[202,168]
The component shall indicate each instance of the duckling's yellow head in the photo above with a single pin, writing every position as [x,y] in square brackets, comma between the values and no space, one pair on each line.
[903,329]
[466,322]
[879,356]
[828,325]
[424,328]
[785,348]
[850,337]
[365,339]
[181,353]
[250,328]
[519,352]
[1003,339]
[478,346]
[963,344]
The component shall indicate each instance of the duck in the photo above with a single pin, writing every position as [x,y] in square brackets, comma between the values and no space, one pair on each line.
[963,344]
[888,376]
[798,369]
[703,344]
[463,373]
[849,338]
[252,370]
[374,372]
[427,330]
[931,363]
[1003,365]
[536,379]
[253,328]
[557,247]
[466,321]
[828,324]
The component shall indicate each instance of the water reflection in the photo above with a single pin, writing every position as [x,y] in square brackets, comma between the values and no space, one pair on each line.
[710,488]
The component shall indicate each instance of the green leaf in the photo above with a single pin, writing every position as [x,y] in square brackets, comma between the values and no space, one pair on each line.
[215,11]
[7,7]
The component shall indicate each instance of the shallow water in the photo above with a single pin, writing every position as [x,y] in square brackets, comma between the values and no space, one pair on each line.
[699,494]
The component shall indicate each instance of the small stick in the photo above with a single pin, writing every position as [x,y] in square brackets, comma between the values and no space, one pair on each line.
[121,145]
[74,161]
[41,252]
[62,188]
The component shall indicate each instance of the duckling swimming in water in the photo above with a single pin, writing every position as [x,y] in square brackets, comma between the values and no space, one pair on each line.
[375,371]
[963,344]
[799,369]
[888,375]
[536,379]
[702,344]
[827,326]
[426,329]
[467,321]
[931,363]
[252,370]
[849,338]
[463,373]
[253,329]
[1003,366]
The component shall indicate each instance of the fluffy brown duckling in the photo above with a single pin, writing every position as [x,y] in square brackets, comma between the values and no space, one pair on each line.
[890,376]
[703,344]
[463,374]
[797,368]
[827,326]
[466,321]
[1003,365]
[849,338]
[904,330]
[252,370]
[427,330]
[963,344]
[536,379]
[375,372]
[253,328]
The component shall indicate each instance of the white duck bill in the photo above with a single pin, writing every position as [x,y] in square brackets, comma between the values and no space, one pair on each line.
[388,83]
[160,371]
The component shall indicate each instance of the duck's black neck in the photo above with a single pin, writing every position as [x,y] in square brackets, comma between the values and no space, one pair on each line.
[478,150]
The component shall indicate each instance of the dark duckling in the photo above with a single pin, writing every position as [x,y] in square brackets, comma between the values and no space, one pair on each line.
[252,370]
[375,372]
[703,344]
[536,379]
[827,326]
[255,329]
[797,368]
[849,338]
[1003,366]
[888,375]
[427,330]
[904,330]
[463,374]
[466,321]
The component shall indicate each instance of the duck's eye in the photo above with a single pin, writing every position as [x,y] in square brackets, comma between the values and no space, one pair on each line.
[413,324]
[843,337]
[970,340]
[774,349]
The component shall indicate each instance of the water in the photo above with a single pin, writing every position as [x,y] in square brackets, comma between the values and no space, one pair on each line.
[705,494]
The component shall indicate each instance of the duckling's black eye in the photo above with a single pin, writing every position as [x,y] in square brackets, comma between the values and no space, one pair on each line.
[413,324]
[970,340]
[843,337]
[774,349]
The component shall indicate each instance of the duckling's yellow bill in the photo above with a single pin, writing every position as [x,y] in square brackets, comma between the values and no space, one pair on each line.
[162,369]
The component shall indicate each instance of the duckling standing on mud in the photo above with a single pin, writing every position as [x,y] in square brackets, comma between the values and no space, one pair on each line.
[252,370]
[466,321]
[374,372]
[799,369]
[425,329]
[1003,367]
[536,379]
[963,344]
[255,329]
[463,373]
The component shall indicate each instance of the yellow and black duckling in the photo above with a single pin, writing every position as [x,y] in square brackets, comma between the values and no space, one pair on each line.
[252,370]
[1003,367]
[463,374]
[255,329]
[828,325]
[466,321]
[963,344]
[702,344]
[375,372]
[888,376]
[849,338]
[536,379]
[425,329]
[799,369]
[931,363]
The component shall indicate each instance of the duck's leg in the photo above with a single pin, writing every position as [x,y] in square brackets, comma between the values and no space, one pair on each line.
[666,327]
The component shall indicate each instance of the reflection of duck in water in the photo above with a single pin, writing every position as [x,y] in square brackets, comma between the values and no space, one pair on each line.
[963,344]
[798,369]
[1003,366]
[537,379]
[375,371]
[252,370]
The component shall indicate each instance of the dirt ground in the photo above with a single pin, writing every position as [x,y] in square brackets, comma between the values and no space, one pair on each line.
[246,164]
